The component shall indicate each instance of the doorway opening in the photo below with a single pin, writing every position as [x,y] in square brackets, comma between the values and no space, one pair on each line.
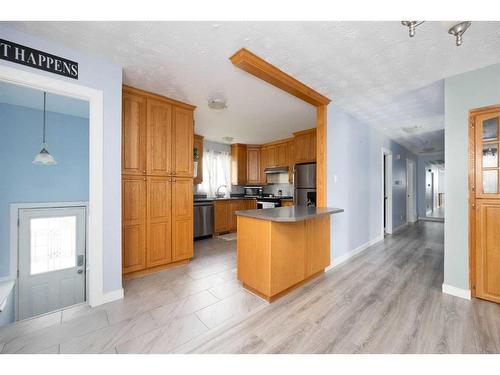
[45,147]
[386,191]
[411,215]
[434,190]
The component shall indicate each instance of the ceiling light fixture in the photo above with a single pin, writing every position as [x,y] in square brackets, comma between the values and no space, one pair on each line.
[456,30]
[227,139]
[412,25]
[44,157]
[217,104]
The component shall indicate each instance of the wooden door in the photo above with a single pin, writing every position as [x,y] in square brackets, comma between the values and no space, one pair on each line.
[253,165]
[133,223]
[484,200]
[182,216]
[221,209]
[159,221]
[182,142]
[133,134]
[159,145]
[488,249]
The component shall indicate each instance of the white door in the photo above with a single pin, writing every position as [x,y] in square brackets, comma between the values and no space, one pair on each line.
[410,213]
[51,259]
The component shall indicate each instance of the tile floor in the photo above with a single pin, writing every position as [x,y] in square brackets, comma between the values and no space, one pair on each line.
[159,313]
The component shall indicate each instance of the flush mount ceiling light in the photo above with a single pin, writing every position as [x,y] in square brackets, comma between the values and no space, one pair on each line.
[227,139]
[456,29]
[44,157]
[217,104]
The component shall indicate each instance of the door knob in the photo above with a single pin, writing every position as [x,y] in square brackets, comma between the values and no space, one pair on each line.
[79,270]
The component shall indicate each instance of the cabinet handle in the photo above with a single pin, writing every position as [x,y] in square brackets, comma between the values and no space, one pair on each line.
[173,173]
[144,178]
[144,171]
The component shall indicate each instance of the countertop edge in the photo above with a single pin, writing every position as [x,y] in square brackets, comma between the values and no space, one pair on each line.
[246,213]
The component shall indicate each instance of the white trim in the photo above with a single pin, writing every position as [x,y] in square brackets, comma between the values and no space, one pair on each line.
[411,215]
[343,258]
[388,182]
[96,125]
[113,296]
[457,292]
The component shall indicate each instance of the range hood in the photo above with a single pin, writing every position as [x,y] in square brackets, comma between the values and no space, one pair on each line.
[276,170]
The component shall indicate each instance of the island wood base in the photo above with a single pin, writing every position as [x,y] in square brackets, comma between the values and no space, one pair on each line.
[276,257]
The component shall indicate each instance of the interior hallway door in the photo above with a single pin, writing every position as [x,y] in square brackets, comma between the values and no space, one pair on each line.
[484,197]
[51,259]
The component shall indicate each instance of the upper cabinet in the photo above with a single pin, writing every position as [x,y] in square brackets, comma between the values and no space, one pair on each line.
[238,164]
[133,134]
[198,148]
[253,165]
[305,146]
[157,135]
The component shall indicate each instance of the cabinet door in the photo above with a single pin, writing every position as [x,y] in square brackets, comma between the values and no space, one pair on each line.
[312,146]
[159,221]
[133,223]
[486,155]
[182,212]
[235,205]
[133,134]
[291,160]
[271,156]
[301,148]
[263,164]
[159,143]
[317,244]
[282,154]
[488,249]
[198,144]
[253,165]
[220,216]
[182,142]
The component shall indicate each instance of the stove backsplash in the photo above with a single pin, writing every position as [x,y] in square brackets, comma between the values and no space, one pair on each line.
[287,189]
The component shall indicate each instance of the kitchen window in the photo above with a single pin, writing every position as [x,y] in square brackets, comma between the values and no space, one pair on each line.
[216,171]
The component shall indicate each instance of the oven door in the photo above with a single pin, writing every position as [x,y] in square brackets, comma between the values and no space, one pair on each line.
[261,204]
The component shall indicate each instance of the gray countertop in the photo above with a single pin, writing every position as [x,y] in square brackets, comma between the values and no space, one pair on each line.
[289,214]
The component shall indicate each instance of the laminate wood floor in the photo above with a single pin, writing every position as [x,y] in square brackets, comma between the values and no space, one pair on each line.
[386,300]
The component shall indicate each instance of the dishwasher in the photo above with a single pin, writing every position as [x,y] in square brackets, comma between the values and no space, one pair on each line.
[203,218]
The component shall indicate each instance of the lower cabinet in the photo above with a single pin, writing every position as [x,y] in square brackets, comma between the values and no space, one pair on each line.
[224,213]
[157,220]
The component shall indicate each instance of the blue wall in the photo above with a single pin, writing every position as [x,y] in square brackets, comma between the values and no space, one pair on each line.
[107,77]
[355,158]
[22,181]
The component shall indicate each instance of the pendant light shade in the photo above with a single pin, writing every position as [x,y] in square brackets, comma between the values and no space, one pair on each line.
[44,157]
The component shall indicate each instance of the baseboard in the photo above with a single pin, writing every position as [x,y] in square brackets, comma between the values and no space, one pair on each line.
[343,258]
[112,296]
[434,219]
[457,292]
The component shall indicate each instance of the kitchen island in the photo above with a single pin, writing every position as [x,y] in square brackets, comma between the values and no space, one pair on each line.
[282,248]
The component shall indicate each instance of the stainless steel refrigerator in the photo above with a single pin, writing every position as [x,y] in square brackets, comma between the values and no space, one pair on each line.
[305,184]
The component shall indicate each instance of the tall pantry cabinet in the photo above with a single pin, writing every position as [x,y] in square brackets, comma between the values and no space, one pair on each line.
[157,181]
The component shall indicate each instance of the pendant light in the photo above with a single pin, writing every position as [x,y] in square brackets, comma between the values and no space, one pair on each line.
[43,157]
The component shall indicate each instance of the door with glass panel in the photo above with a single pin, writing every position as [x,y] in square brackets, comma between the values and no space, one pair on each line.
[51,259]
[485,205]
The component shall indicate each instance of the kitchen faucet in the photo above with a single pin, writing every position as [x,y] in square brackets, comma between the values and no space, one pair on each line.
[218,194]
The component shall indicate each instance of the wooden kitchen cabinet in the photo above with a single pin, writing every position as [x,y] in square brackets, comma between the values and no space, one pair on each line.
[133,134]
[286,202]
[182,216]
[157,182]
[282,154]
[221,216]
[291,160]
[159,135]
[198,144]
[305,146]
[133,223]
[253,165]
[238,164]
[158,221]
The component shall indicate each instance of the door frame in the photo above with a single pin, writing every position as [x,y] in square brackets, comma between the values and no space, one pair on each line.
[471,192]
[410,212]
[95,210]
[14,240]
[387,179]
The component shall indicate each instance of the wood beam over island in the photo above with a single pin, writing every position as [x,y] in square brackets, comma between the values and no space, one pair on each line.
[282,248]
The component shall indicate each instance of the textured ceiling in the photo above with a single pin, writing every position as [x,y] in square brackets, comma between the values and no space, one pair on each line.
[373,70]
[31,98]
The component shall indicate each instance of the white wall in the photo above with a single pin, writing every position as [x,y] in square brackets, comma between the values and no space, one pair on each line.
[354,157]
[463,92]
[107,77]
